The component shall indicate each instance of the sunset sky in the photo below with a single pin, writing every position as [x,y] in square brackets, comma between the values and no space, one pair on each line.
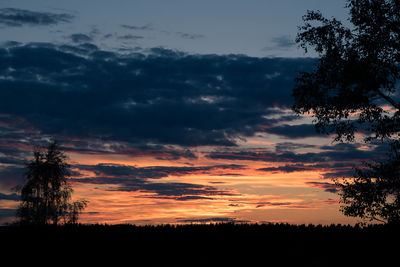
[170,111]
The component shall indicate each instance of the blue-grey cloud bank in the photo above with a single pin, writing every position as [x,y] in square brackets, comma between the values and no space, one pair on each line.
[162,97]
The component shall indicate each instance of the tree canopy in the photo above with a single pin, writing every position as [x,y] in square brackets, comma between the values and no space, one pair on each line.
[354,89]
[46,196]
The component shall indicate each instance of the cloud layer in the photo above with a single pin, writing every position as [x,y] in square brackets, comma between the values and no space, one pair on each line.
[165,97]
[14,17]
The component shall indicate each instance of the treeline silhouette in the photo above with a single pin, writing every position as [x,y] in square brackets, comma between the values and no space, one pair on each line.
[224,244]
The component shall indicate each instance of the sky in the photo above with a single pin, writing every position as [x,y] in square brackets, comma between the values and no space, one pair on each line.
[169,111]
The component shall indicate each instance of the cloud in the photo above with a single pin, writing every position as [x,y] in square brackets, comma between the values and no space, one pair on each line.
[264,155]
[147,27]
[283,42]
[189,36]
[336,153]
[330,170]
[118,170]
[81,48]
[328,187]
[130,37]
[339,174]
[289,146]
[171,189]
[335,161]
[152,172]
[14,197]
[163,190]
[164,97]
[7,215]
[11,176]
[80,38]
[268,203]
[192,198]
[141,179]
[160,152]
[13,17]
[177,190]
[294,131]
[286,168]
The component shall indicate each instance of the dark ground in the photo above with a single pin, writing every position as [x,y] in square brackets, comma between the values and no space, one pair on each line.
[201,245]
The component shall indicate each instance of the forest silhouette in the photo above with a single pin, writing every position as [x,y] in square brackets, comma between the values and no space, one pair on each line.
[225,244]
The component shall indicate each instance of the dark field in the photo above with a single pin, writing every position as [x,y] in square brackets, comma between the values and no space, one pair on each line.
[202,245]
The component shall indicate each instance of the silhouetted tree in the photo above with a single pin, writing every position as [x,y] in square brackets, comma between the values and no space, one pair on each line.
[47,193]
[353,89]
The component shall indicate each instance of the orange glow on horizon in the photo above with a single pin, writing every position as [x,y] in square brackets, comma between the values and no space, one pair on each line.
[195,189]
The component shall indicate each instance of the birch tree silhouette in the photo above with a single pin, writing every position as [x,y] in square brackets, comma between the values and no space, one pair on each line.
[46,196]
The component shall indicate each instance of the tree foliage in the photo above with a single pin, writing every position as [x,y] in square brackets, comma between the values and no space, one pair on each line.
[374,192]
[46,196]
[354,89]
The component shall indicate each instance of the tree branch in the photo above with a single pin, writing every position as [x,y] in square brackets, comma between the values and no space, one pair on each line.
[388,99]
[379,220]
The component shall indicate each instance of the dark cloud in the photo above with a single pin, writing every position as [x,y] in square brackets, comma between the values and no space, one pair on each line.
[13,17]
[167,190]
[268,203]
[133,179]
[153,172]
[227,174]
[192,198]
[335,161]
[190,36]
[184,35]
[294,131]
[130,37]
[81,48]
[329,170]
[7,215]
[14,197]
[147,27]
[163,97]
[328,187]
[283,42]
[12,151]
[336,153]
[80,38]
[289,146]
[267,156]
[339,174]
[108,36]
[178,189]
[160,152]
[126,181]
[286,168]
[10,160]
[11,177]
[117,170]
